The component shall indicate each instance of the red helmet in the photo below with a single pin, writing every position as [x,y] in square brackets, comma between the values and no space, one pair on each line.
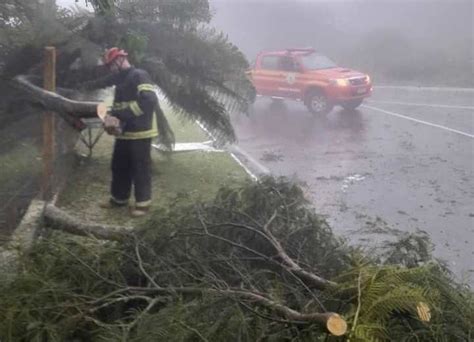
[113,53]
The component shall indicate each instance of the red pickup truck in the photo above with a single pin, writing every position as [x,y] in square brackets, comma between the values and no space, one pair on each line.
[305,75]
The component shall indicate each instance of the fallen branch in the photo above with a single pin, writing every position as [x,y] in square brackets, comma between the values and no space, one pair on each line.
[52,101]
[58,219]
[293,267]
[334,323]
[286,262]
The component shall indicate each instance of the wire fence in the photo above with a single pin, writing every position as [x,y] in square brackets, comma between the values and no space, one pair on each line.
[23,136]
[21,166]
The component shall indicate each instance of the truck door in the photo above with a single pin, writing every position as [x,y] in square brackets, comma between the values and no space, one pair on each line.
[290,85]
[267,76]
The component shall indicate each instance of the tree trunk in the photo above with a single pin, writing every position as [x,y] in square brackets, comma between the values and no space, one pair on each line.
[63,106]
[58,219]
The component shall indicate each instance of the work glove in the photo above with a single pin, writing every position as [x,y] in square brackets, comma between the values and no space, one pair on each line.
[112,125]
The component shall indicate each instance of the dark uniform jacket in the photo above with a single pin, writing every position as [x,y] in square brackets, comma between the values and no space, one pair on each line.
[135,102]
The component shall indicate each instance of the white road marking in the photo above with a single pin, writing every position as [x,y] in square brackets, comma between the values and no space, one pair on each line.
[205,146]
[419,121]
[258,165]
[463,90]
[239,150]
[423,104]
[242,165]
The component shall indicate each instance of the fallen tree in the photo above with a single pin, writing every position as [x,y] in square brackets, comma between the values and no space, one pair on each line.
[56,218]
[52,101]
[70,110]
[269,250]
[255,264]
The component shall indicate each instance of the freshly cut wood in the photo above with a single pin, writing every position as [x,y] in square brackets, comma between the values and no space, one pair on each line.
[57,103]
[424,312]
[336,325]
[101,111]
[58,219]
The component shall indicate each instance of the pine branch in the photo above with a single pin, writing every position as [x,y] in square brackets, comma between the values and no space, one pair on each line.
[332,321]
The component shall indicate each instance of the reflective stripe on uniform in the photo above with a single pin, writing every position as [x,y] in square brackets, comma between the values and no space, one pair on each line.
[120,105]
[143,204]
[146,87]
[135,108]
[132,105]
[151,133]
[118,201]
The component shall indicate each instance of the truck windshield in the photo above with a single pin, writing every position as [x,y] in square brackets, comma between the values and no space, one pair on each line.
[316,62]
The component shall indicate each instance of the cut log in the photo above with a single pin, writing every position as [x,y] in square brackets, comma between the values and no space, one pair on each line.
[58,219]
[336,325]
[424,312]
[57,103]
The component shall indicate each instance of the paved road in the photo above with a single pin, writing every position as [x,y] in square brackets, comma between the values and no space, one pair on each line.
[404,160]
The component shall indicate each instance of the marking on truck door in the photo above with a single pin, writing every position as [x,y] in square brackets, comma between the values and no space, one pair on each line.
[290,78]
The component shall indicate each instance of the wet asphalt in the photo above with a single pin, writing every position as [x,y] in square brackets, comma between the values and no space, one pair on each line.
[404,160]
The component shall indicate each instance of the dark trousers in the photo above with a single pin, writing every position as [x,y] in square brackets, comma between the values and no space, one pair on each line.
[131,165]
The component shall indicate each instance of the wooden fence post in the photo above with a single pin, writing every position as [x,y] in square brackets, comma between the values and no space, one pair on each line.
[49,83]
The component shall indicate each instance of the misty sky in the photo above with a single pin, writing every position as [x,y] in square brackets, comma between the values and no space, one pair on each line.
[81,3]
[68,3]
[341,27]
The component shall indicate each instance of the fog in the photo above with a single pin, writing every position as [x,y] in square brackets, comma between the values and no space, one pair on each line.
[69,3]
[420,42]
[417,42]
[406,154]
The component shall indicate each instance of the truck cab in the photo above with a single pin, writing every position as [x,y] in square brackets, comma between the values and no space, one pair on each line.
[307,76]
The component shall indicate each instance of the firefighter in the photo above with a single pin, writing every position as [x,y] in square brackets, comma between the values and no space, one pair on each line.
[132,119]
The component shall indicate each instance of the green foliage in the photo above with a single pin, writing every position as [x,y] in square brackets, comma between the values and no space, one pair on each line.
[184,13]
[88,290]
[386,299]
[136,43]
[50,299]
[409,249]
[101,6]
[199,71]
[297,227]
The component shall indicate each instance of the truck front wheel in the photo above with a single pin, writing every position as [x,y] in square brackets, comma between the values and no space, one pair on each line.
[351,104]
[318,103]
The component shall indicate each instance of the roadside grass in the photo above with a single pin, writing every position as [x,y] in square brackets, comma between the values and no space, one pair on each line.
[20,170]
[179,178]
[184,130]
[20,163]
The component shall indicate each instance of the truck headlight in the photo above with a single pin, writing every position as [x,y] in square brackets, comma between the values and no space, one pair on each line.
[340,82]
